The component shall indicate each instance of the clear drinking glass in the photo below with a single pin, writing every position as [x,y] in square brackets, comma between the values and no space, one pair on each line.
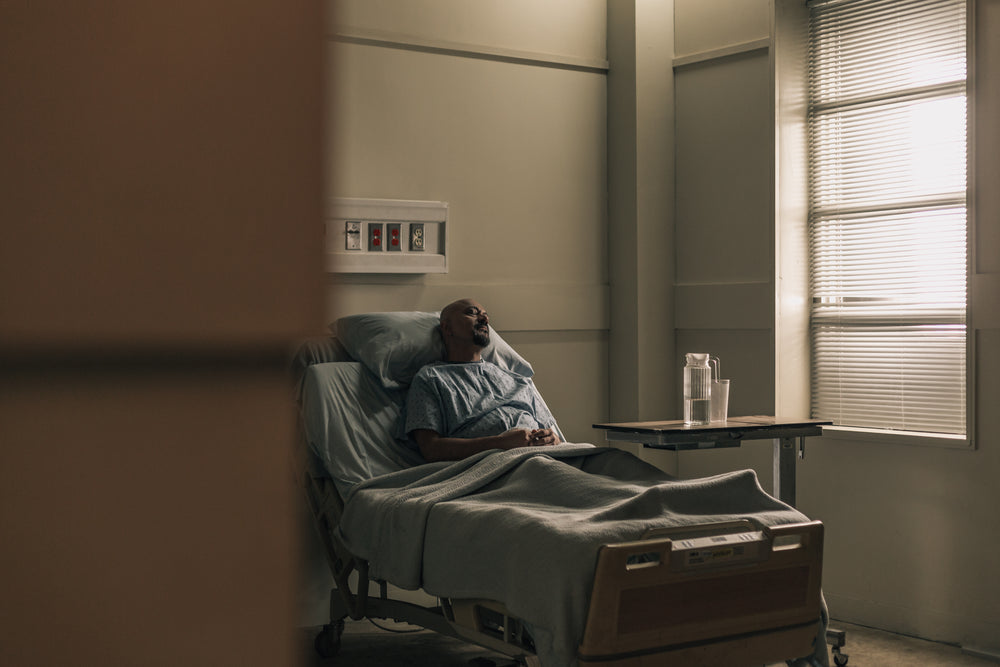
[720,400]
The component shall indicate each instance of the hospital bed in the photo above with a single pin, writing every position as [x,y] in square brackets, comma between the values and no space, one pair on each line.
[713,587]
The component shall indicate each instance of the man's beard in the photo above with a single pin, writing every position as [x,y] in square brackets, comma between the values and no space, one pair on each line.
[481,338]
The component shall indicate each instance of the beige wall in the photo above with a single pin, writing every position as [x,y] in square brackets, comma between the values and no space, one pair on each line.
[724,239]
[910,530]
[641,208]
[500,109]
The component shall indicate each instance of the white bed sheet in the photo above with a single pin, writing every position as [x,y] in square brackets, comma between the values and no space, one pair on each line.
[353,424]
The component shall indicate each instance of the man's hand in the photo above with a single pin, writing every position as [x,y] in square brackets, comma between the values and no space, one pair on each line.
[544,437]
[519,437]
[514,438]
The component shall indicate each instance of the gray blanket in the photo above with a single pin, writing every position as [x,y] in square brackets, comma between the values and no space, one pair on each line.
[523,527]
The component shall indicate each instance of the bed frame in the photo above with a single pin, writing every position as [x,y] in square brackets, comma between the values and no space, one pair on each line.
[728,594]
[719,594]
[481,622]
[734,593]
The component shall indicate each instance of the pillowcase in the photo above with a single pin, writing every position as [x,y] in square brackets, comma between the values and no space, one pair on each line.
[394,346]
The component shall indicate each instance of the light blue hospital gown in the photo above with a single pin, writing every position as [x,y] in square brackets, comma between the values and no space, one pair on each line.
[472,400]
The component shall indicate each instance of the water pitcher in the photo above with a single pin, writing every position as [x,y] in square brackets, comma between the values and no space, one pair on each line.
[697,390]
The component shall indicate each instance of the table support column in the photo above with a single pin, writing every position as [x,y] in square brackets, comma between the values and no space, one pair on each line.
[784,470]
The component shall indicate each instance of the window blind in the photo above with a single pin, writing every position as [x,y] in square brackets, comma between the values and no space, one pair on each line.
[887,213]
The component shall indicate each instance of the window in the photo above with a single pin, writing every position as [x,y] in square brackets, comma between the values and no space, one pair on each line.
[886,124]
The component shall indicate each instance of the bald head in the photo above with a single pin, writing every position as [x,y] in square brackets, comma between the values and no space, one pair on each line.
[453,307]
[465,329]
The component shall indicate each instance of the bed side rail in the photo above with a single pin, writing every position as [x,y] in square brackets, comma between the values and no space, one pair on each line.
[327,507]
[467,620]
[701,596]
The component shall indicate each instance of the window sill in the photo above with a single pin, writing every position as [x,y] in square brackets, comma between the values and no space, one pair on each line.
[889,437]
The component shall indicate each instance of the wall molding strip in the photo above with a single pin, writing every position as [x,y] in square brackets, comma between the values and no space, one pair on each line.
[393,40]
[513,307]
[724,52]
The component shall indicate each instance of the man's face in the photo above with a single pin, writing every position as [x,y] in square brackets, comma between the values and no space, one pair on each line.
[467,320]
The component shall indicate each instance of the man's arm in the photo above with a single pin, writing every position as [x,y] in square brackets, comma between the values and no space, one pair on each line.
[435,447]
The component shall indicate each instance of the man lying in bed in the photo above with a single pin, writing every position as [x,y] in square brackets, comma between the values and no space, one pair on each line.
[524,527]
[465,405]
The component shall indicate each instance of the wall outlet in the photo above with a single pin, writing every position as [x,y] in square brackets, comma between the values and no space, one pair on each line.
[386,236]
[376,239]
[394,237]
[417,236]
[353,232]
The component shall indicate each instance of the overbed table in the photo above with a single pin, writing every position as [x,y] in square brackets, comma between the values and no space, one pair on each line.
[675,435]
[731,433]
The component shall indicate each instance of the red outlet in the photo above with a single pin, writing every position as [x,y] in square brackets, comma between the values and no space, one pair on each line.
[374,236]
[393,230]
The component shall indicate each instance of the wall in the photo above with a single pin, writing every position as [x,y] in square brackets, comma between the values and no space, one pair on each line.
[499,109]
[910,530]
[724,239]
[159,256]
[641,198]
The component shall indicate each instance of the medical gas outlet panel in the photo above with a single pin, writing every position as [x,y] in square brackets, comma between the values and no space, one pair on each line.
[386,236]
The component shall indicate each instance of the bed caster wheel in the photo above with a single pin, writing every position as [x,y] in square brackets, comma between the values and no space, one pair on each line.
[327,642]
[840,659]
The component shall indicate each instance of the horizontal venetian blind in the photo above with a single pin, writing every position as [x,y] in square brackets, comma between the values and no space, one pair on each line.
[887,175]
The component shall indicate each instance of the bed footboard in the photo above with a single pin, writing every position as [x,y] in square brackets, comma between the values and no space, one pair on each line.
[728,594]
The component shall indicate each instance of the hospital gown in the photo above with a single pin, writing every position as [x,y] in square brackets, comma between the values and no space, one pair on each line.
[472,400]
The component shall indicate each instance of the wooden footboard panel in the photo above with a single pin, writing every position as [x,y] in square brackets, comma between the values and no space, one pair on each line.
[750,598]
[761,648]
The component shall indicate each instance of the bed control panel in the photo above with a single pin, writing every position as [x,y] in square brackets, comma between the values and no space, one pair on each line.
[720,550]
[722,544]
[386,236]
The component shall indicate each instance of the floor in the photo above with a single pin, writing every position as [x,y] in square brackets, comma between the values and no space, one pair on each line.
[399,645]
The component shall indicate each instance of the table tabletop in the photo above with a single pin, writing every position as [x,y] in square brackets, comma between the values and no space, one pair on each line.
[731,431]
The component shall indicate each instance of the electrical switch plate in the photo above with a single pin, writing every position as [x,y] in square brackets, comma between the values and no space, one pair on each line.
[353,232]
[394,237]
[375,237]
[416,236]
[374,223]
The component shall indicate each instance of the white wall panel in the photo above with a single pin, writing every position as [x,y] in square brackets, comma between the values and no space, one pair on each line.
[724,305]
[511,307]
[558,27]
[723,163]
[516,149]
[707,25]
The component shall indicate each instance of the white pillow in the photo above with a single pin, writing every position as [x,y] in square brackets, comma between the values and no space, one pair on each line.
[351,421]
[394,346]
